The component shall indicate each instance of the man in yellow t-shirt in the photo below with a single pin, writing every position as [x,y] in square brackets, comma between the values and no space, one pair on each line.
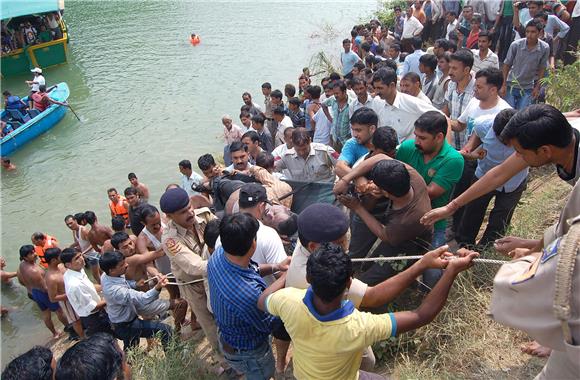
[328,333]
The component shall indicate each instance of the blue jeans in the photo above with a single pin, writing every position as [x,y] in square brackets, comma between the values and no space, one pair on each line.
[518,98]
[131,332]
[256,364]
[431,276]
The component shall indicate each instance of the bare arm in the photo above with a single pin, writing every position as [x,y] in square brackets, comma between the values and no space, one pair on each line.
[52,288]
[277,285]
[435,191]
[341,169]
[5,276]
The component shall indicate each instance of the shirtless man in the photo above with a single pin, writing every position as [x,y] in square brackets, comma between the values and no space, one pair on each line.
[31,276]
[97,236]
[8,165]
[5,278]
[55,287]
[118,225]
[80,241]
[141,187]
[139,265]
[149,242]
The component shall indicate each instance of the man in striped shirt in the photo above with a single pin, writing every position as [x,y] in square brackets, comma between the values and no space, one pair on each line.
[235,284]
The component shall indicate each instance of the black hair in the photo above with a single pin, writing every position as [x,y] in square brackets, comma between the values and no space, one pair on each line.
[486,34]
[492,76]
[328,271]
[118,238]
[388,63]
[538,125]
[339,84]
[541,15]
[295,101]
[429,60]
[25,250]
[90,217]
[211,232]
[501,120]
[395,47]
[537,25]
[6,92]
[185,164]
[253,135]
[392,176]
[279,111]
[412,76]
[446,56]
[51,254]
[267,85]
[109,260]
[38,236]
[365,46]
[334,76]
[417,43]
[205,162]
[364,116]
[258,119]
[34,364]
[265,160]
[111,190]
[385,138]
[465,56]
[432,122]
[300,137]
[238,232]
[443,43]
[314,91]
[277,94]
[380,50]
[146,211]
[118,223]
[385,76]
[67,255]
[244,108]
[289,90]
[245,114]
[131,176]
[42,88]
[69,216]
[359,65]
[130,191]
[290,226]
[96,358]
[476,17]
[346,40]
[236,146]
[247,94]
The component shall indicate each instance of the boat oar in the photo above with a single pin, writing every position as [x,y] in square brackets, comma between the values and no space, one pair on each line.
[73,111]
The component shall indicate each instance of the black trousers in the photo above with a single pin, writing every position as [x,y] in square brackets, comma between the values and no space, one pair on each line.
[463,184]
[97,322]
[499,217]
[572,41]
[504,36]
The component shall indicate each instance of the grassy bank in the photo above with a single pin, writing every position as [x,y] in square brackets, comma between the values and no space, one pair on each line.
[463,342]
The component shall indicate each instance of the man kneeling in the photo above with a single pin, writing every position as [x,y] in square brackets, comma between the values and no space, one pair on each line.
[328,333]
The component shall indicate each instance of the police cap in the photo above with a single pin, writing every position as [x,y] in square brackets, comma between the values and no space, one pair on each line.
[174,200]
[322,223]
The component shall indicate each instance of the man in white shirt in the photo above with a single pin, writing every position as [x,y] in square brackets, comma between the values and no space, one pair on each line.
[37,80]
[283,121]
[411,85]
[397,110]
[486,101]
[411,29]
[484,57]
[189,177]
[451,19]
[363,98]
[82,294]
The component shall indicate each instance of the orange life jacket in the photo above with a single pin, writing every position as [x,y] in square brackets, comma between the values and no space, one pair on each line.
[51,242]
[119,208]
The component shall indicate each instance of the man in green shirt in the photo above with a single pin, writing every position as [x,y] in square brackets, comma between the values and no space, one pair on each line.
[438,163]
[44,35]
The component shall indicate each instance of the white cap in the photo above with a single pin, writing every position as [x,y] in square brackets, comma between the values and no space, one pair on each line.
[36,70]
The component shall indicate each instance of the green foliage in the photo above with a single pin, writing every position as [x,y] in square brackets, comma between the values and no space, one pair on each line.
[386,15]
[560,85]
[179,362]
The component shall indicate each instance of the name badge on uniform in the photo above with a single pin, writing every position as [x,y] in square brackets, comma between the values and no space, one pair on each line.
[530,273]
[551,250]
[431,172]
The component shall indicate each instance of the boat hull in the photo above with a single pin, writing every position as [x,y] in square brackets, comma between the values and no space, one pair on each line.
[37,126]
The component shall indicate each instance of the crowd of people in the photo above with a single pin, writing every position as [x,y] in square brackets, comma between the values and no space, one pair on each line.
[25,31]
[414,149]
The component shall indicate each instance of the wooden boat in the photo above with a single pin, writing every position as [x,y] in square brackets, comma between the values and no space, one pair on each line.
[44,54]
[37,125]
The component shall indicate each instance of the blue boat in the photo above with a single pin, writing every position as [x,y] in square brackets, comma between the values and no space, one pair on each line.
[37,125]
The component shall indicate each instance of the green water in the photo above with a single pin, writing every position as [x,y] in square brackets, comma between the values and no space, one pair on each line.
[147,99]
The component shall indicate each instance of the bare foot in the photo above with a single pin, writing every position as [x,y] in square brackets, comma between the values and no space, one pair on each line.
[536,349]
[57,334]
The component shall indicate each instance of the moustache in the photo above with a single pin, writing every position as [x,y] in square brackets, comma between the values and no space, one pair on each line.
[418,147]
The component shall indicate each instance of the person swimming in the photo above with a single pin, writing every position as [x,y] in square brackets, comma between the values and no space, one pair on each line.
[194,39]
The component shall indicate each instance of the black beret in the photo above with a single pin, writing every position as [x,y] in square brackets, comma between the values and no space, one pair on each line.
[174,200]
[322,223]
[251,194]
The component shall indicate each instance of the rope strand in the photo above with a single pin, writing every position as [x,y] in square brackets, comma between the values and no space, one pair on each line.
[398,258]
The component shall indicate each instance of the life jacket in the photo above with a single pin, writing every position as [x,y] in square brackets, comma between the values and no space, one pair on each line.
[13,103]
[40,101]
[51,242]
[119,208]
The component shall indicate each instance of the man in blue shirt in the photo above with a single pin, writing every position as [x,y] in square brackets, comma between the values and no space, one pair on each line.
[411,63]
[348,58]
[235,284]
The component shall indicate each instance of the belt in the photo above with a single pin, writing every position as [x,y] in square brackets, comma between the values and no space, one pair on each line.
[123,324]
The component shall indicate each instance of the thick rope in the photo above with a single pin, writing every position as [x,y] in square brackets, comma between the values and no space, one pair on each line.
[398,258]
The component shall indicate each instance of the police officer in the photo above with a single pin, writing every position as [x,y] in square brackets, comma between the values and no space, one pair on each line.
[183,243]
[306,161]
[538,294]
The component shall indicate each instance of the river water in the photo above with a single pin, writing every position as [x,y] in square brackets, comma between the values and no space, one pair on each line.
[147,99]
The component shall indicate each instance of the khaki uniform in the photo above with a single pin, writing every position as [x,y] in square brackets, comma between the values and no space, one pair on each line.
[531,294]
[318,166]
[184,249]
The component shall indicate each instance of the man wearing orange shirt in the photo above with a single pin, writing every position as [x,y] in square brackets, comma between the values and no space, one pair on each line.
[42,242]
